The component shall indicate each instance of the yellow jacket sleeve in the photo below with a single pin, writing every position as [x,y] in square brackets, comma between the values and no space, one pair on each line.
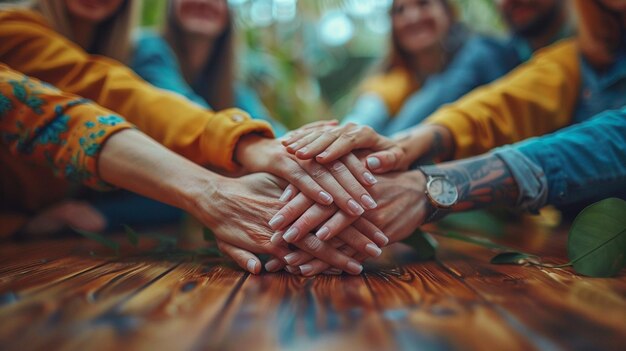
[392,87]
[29,45]
[534,99]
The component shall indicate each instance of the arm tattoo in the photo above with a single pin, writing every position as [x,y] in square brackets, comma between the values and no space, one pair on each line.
[481,181]
[436,151]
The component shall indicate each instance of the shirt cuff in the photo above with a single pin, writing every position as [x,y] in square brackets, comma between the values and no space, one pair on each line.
[530,178]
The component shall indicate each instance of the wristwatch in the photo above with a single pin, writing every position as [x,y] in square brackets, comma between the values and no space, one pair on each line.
[440,191]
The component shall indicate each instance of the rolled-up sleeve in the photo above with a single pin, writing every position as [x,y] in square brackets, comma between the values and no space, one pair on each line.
[583,162]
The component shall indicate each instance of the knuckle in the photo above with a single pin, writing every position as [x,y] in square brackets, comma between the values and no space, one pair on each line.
[307,223]
[318,173]
[367,130]
[313,244]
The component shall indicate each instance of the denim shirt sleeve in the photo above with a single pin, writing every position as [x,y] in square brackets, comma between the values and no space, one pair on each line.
[531,181]
[480,61]
[155,62]
[247,100]
[583,162]
[371,110]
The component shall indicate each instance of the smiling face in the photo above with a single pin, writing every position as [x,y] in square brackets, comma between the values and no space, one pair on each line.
[207,18]
[94,11]
[529,17]
[419,24]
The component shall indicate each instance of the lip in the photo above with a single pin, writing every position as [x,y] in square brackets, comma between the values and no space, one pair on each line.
[203,10]
[417,28]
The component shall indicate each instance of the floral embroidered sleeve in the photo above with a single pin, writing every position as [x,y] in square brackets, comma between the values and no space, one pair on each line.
[46,126]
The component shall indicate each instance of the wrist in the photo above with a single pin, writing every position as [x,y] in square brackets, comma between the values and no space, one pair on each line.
[247,149]
[427,144]
[419,180]
[199,194]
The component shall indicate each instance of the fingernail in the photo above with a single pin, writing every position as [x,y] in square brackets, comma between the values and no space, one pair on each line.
[292,269]
[286,195]
[355,208]
[293,146]
[373,162]
[333,271]
[354,267]
[323,154]
[291,234]
[251,266]
[323,233]
[373,250]
[326,198]
[275,239]
[370,178]
[272,265]
[368,202]
[380,237]
[292,257]
[303,150]
[288,138]
[276,221]
[306,269]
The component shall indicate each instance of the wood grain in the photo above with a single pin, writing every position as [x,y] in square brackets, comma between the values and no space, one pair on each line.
[71,294]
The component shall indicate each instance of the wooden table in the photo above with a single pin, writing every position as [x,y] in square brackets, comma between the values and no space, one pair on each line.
[57,294]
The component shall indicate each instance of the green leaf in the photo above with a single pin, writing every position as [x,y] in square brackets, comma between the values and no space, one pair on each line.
[113,245]
[479,221]
[519,258]
[208,235]
[424,249]
[597,239]
[131,235]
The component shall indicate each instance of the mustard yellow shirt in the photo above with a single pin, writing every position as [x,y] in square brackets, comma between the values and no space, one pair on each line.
[536,98]
[29,45]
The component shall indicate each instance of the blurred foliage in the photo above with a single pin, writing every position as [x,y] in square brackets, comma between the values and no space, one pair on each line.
[300,77]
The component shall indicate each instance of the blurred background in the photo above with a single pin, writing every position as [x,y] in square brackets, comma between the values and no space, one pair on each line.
[306,58]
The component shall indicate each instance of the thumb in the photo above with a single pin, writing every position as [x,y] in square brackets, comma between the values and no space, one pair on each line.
[385,161]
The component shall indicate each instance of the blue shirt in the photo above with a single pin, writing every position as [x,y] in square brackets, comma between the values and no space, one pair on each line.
[480,60]
[155,62]
[584,162]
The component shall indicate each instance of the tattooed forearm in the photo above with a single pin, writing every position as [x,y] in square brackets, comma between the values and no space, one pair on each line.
[481,181]
[427,144]
[435,152]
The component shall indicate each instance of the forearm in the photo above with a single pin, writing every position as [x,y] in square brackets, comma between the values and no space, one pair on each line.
[426,144]
[133,161]
[481,181]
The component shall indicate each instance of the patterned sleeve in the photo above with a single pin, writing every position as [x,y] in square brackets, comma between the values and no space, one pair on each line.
[40,124]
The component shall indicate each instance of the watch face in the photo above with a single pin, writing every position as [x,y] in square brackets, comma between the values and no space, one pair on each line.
[442,191]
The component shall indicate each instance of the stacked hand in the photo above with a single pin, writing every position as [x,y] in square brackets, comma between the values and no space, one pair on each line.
[334,212]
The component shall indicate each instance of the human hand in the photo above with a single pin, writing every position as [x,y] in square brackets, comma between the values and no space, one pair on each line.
[403,207]
[327,144]
[238,209]
[333,184]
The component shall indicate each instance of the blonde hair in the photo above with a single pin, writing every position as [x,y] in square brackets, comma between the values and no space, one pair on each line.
[112,37]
